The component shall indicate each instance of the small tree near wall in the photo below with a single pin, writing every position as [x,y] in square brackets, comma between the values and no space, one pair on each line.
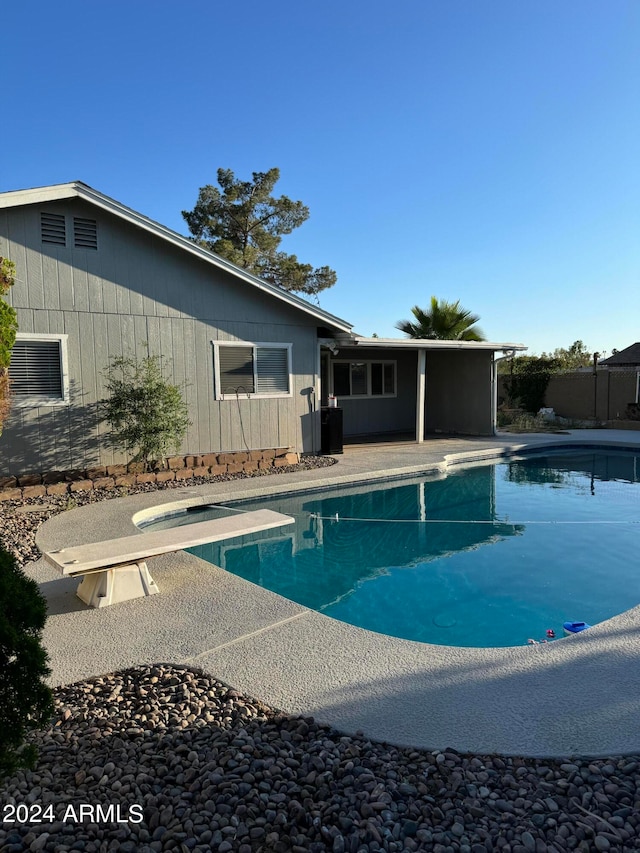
[25,699]
[147,414]
[8,329]
[528,380]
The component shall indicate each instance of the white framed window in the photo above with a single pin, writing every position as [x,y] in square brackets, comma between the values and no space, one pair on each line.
[363,379]
[38,371]
[251,370]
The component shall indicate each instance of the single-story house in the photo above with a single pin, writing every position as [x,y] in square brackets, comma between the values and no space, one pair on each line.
[96,280]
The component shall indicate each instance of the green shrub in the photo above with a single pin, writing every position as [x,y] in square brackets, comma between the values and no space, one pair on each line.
[25,700]
[8,329]
[505,417]
[528,380]
[526,422]
[147,413]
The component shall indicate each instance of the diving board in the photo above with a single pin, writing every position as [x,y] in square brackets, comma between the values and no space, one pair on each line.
[116,570]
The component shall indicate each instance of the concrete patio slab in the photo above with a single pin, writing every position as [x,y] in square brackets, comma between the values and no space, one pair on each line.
[199,607]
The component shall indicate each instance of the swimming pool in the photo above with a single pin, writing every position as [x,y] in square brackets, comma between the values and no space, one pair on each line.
[491,555]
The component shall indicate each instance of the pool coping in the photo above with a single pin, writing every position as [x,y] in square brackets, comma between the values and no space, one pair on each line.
[577,696]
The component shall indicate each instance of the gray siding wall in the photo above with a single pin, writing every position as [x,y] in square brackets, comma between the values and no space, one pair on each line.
[136,289]
[384,414]
[458,398]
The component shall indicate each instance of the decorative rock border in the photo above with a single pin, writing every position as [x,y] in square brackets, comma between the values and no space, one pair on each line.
[126,475]
[214,769]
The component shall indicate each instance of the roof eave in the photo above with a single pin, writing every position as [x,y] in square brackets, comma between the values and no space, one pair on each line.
[427,343]
[77,189]
[39,195]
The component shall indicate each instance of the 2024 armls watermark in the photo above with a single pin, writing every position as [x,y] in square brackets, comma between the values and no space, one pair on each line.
[21,814]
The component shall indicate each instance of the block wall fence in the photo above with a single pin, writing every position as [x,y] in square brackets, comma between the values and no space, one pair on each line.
[609,395]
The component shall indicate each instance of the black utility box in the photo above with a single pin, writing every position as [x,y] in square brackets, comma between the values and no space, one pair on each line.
[331,429]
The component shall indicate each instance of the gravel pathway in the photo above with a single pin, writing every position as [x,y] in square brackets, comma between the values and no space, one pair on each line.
[193,766]
[167,758]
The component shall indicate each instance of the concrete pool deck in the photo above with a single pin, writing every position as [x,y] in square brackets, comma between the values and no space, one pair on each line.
[577,696]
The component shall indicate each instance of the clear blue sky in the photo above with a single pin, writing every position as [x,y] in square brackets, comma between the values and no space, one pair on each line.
[486,150]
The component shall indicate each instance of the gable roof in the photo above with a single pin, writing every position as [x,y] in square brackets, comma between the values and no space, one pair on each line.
[629,356]
[77,189]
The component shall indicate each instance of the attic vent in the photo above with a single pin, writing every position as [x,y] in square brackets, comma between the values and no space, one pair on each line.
[85,233]
[52,229]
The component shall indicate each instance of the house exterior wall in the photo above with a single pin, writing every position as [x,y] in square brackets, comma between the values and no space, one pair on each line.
[458,396]
[137,289]
[381,414]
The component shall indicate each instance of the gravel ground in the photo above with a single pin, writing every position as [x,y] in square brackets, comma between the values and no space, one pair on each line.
[195,766]
[167,758]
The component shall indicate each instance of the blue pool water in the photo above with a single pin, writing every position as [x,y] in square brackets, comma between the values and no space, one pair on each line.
[491,555]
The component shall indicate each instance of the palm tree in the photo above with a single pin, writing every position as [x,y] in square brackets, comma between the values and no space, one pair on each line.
[445,321]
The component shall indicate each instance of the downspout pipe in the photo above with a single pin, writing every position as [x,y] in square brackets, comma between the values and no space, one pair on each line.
[494,388]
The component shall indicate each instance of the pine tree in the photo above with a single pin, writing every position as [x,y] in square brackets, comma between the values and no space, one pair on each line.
[245,223]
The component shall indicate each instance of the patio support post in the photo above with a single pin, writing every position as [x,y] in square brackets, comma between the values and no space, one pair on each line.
[494,388]
[494,394]
[420,394]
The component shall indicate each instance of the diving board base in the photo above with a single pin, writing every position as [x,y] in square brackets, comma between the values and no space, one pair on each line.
[123,583]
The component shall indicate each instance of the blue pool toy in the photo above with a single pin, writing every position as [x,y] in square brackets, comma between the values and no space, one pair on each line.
[574,627]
